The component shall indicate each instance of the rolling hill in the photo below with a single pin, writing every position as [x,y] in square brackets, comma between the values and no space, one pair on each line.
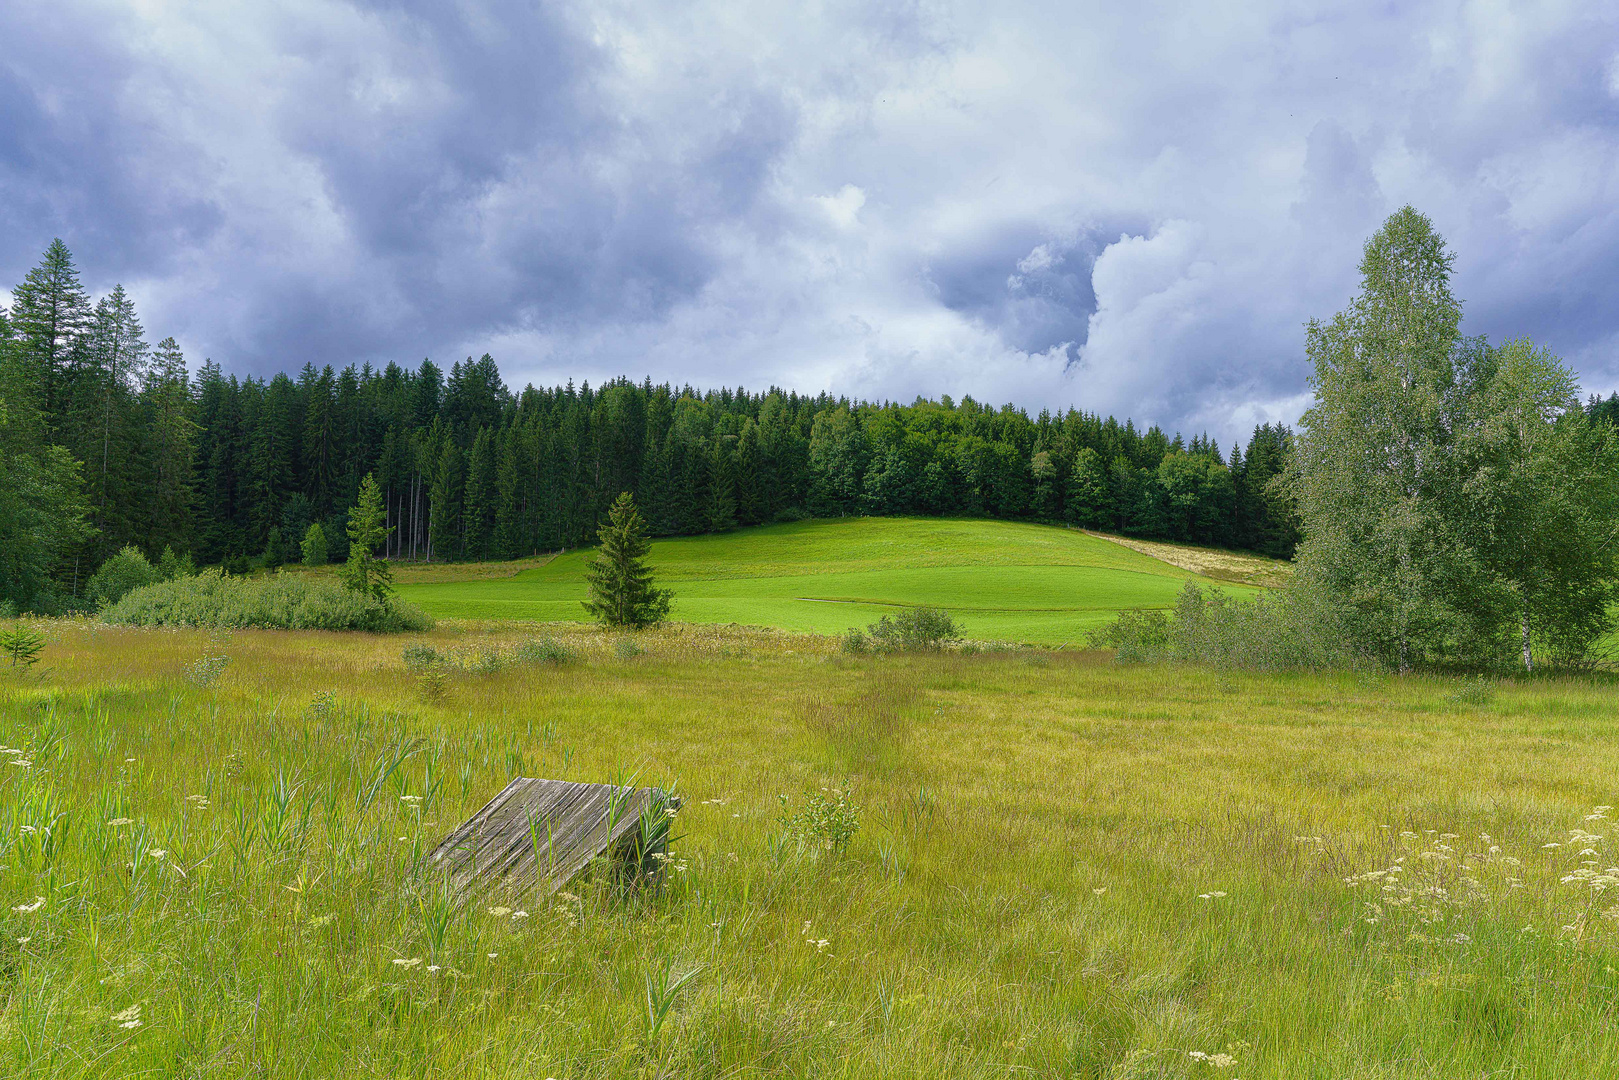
[1002,580]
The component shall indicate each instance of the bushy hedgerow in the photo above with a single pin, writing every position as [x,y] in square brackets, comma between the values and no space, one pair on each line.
[1292,629]
[277,602]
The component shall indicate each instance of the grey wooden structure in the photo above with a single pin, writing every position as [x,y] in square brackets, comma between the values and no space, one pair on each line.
[537,835]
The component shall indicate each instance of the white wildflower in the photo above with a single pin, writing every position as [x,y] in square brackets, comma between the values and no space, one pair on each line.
[39,902]
[404,963]
[117,821]
[129,1018]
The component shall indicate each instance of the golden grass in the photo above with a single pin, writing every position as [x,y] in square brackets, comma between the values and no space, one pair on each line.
[1064,868]
[1237,567]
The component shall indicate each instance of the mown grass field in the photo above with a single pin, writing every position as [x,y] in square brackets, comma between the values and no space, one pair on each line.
[1003,581]
[1064,867]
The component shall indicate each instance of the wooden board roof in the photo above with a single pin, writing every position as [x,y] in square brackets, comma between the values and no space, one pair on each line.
[569,824]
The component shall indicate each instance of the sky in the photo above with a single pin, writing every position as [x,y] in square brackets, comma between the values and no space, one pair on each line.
[1124,208]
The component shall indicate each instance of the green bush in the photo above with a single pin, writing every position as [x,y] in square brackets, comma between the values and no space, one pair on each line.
[313,547]
[279,602]
[827,822]
[1293,629]
[1135,635]
[119,575]
[544,651]
[911,629]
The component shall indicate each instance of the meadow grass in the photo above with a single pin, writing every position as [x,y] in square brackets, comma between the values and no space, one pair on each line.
[1063,866]
[1004,581]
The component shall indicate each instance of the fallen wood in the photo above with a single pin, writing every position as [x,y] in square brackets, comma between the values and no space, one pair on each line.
[537,835]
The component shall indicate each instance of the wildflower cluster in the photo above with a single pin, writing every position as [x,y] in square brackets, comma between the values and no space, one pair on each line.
[1590,876]
[1428,889]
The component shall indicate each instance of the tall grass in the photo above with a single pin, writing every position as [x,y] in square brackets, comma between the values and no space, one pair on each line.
[1065,869]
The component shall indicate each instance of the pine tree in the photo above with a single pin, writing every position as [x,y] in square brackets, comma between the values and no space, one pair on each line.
[720,513]
[481,496]
[621,588]
[367,530]
[444,519]
[105,436]
[171,433]
[50,315]
[42,508]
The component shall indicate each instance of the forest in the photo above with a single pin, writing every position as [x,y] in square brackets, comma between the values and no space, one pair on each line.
[112,442]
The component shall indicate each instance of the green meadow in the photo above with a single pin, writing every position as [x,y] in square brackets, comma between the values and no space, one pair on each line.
[1060,866]
[1002,581]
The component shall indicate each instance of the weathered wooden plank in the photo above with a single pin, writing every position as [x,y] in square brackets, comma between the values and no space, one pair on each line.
[494,851]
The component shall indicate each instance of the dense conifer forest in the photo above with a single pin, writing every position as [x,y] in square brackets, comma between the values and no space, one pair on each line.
[234,469]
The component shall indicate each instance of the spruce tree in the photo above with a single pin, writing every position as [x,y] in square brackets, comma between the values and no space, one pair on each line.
[720,513]
[367,530]
[621,588]
[481,496]
[171,435]
[50,315]
[105,434]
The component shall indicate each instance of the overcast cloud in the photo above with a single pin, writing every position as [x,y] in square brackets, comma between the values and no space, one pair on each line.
[1128,208]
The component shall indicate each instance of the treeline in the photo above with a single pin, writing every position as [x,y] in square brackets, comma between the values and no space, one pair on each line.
[113,442]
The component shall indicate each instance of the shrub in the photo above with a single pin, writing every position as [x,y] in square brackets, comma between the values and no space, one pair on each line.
[420,657]
[543,651]
[1136,635]
[625,649]
[171,566]
[1294,629]
[854,641]
[828,821]
[912,629]
[313,547]
[119,575]
[279,602]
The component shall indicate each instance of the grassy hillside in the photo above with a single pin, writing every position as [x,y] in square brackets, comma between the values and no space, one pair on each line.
[1063,867]
[1003,580]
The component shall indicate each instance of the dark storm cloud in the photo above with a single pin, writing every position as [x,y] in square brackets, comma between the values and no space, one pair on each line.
[1128,209]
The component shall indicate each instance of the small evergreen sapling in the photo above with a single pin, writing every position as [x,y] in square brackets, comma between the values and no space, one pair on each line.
[621,589]
[364,572]
[22,646]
